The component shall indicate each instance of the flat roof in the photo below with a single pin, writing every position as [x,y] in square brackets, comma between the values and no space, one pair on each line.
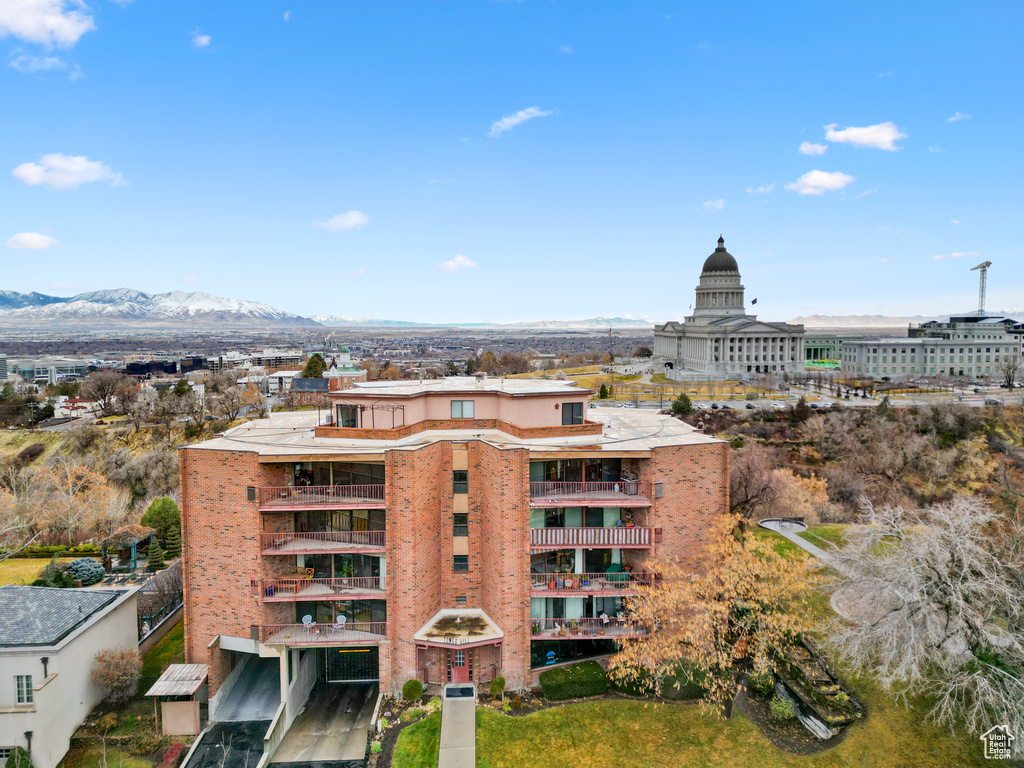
[457,384]
[292,434]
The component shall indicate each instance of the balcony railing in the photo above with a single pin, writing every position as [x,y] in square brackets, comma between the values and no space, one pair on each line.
[321,542]
[560,584]
[621,493]
[350,633]
[567,538]
[284,497]
[571,629]
[344,588]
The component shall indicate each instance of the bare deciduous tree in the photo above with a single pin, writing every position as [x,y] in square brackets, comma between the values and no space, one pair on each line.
[940,612]
[102,386]
[1009,368]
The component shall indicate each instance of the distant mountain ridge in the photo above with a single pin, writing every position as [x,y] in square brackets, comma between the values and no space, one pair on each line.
[592,323]
[884,321]
[125,307]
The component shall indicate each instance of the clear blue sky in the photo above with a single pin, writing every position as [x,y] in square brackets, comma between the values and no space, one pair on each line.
[218,133]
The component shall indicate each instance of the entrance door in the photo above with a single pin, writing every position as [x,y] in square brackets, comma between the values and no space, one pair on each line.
[458,666]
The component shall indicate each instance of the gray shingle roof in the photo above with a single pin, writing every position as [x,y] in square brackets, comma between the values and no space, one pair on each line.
[310,385]
[43,615]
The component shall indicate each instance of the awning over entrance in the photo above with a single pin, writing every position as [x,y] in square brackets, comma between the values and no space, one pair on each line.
[459,627]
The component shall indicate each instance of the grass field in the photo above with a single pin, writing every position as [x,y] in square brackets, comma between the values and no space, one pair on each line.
[170,650]
[24,570]
[613,733]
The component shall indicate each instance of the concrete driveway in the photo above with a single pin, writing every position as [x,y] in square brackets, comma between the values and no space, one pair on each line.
[332,725]
[256,694]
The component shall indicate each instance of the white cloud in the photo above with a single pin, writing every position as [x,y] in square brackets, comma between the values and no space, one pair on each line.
[959,116]
[200,40]
[884,261]
[188,277]
[358,273]
[440,181]
[761,190]
[879,136]
[886,74]
[819,182]
[871,191]
[935,150]
[955,221]
[713,205]
[29,64]
[30,241]
[454,265]
[566,49]
[955,255]
[287,15]
[340,222]
[807,148]
[46,22]
[66,172]
[509,122]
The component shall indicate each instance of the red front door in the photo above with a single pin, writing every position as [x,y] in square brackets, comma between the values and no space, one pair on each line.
[459,667]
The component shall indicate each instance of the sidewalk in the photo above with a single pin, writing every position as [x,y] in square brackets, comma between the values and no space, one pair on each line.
[458,728]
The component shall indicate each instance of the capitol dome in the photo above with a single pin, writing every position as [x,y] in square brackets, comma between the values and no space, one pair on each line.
[721,260]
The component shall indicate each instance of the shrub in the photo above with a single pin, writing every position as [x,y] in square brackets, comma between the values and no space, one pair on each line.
[638,682]
[30,453]
[762,682]
[410,714]
[144,744]
[497,686]
[375,748]
[574,681]
[88,570]
[683,683]
[173,544]
[603,393]
[164,515]
[117,671]
[412,689]
[682,405]
[55,575]
[18,759]
[781,709]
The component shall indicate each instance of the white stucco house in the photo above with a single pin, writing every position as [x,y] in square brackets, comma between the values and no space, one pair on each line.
[48,641]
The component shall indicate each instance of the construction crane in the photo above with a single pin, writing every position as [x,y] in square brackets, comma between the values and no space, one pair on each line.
[981,287]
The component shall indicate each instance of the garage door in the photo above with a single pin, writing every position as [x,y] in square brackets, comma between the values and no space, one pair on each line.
[352,665]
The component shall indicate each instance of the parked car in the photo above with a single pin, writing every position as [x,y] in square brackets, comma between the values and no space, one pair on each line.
[751,407]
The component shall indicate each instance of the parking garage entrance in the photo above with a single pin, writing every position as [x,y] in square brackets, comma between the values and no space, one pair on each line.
[352,665]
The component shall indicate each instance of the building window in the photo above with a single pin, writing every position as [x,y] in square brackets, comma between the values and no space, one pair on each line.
[5,752]
[348,415]
[572,413]
[460,599]
[23,686]
[460,481]
[460,563]
[460,525]
[462,409]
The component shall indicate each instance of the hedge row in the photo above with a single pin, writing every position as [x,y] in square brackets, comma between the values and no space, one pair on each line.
[61,550]
[640,684]
[574,681]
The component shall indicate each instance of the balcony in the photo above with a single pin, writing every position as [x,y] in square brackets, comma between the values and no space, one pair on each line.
[295,589]
[574,629]
[323,542]
[290,498]
[624,537]
[623,493]
[303,635]
[578,584]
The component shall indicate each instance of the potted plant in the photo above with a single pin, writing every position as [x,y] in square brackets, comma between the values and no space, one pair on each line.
[573,626]
[535,628]
[551,584]
[572,583]
[585,582]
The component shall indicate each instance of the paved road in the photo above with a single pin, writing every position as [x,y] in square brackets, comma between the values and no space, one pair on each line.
[331,726]
[256,694]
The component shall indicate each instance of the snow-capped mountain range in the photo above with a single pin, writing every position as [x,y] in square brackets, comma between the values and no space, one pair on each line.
[125,306]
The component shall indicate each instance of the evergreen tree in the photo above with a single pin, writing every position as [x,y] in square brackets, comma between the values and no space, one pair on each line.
[173,544]
[603,393]
[315,367]
[682,405]
[156,556]
[163,515]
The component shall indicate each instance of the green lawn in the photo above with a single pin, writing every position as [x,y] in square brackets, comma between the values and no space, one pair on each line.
[614,733]
[824,535]
[17,570]
[170,650]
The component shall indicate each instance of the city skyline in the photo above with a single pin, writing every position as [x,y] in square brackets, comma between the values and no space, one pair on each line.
[512,161]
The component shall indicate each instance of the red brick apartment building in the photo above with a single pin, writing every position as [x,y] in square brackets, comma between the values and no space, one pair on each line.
[447,530]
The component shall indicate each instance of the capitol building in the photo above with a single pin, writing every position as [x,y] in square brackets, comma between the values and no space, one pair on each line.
[720,340]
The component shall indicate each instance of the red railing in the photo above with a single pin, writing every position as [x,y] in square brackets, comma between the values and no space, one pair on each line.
[598,583]
[622,536]
[568,629]
[619,490]
[296,588]
[298,542]
[350,633]
[321,495]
